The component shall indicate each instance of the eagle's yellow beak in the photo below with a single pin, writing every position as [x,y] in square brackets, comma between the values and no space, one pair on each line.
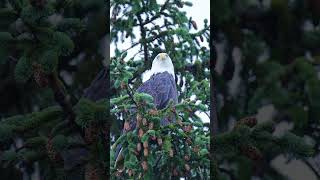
[162,56]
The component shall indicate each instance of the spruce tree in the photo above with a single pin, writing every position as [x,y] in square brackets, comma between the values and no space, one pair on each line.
[277,44]
[51,123]
[151,151]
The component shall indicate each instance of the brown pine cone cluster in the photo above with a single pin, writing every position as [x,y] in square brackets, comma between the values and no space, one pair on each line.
[52,154]
[144,165]
[153,112]
[38,3]
[39,76]
[248,121]
[92,172]
[91,134]
[251,152]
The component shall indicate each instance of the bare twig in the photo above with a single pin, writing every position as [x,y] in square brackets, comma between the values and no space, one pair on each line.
[129,91]
[207,114]
[314,170]
[15,60]
[132,46]
[156,16]
[143,40]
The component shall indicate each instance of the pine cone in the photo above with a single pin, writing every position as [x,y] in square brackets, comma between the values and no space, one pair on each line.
[187,128]
[179,4]
[153,138]
[173,110]
[144,121]
[195,149]
[194,24]
[186,157]
[249,121]
[123,85]
[151,125]
[139,147]
[140,133]
[179,122]
[52,154]
[175,172]
[126,126]
[139,119]
[118,173]
[188,140]
[39,76]
[144,165]
[90,134]
[159,141]
[197,41]
[145,144]
[153,112]
[201,38]
[187,167]
[92,172]
[171,152]
[145,152]
[130,172]
[251,152]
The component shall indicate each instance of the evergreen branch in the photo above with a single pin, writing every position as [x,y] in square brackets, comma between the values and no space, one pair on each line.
[157,15]
[124,14]
[132,46]
[34,119]
[60,96]
[78,145]
[136,54]
[84,162]
[17,149]
[147,40]
[129,91]
[231,175]
[200,32]
[63,100]
[15,60]
[58,127]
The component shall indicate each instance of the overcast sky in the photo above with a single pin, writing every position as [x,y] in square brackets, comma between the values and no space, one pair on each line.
[199,11]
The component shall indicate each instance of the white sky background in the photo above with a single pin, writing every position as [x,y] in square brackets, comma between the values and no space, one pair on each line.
[199,11]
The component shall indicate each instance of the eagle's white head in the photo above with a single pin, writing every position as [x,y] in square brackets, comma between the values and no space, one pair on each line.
[161,63]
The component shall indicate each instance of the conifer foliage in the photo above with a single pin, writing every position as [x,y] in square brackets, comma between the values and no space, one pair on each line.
[151,151]
[49,52]
[268,50]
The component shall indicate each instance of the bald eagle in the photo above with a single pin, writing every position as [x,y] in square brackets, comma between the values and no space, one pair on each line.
[161,86]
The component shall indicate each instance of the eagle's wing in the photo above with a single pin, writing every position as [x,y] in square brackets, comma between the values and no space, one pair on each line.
[162,88]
